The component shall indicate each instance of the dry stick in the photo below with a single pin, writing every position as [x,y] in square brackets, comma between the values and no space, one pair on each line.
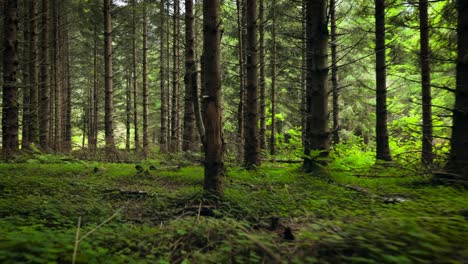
[199,211]
[77,241]
[101,224]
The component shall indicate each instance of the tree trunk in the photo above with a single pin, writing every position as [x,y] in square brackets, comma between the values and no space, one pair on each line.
[93,122]
[68,126]
[109,103]
[175,80]
[214,145]
[191,89]
[261,19]
[34,76]
[304,72]
[162,76]
[383,149]
[26,81]
[10,86]
[427,154]
[334,72]
[145,82]
[251,147]
[273,81]
[317,85]
[240,107]
[458,162]
[128,110]
[44,90]
[135,78]
[58,77]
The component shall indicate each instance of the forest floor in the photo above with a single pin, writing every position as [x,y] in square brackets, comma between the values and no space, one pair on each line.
[278,214]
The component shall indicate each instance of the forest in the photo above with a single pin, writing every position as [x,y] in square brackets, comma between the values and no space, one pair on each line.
[234,131]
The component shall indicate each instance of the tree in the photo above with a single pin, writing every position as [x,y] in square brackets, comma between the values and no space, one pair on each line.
[108,89]
[427,154]
[191,87]
[261,19]
[334,70]
[273,81]
[383,149]
[162,78]
[251,146]
[316,139]
[44,90]
[10,86]
[145,82]
[240,4]
[135,77]
[175,81]
[458,162]
[27,54]
[214,145]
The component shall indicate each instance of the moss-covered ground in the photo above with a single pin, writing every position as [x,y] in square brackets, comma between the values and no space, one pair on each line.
[277,214]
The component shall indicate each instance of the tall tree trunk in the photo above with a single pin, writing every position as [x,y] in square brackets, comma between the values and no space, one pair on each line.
[44,90]
[135,77]
[458,162]
[191,89]
[168,74]
[67,147]
[261,19]
[25,141]
[175,80]
[128,110]
[34,75]
[317,85]
[214,145]
[162,76]
[251,147]
[10,86]
[273,81]
[145,82]
[58,77]
[383,149]
[93,122]
[304,72]
[240,107]
[427,154]
[334,72]
[109,103]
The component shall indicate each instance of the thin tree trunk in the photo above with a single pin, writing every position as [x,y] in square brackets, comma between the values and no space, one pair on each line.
[427,154]
[44,90]
[128,111]
[334,73]
[34,76]
[93,127]
[58,77]
[273,81]
[317,85]
[162,74]
[10,89]
[67,116]
[175,80]
[214,163]
[145,82]
[383,149]
[135,78]
[240,107]
[261,19]
[191,89]
[25,142]
[304,73]
[458,162]
[109,103]
[168,75]
[251,147]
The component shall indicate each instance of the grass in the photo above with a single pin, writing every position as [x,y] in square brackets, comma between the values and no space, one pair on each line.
[343,218]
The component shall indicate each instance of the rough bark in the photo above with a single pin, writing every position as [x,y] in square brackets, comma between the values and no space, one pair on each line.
[191,89]
[10,86]
[383,149]
[44,90]
[317,85]
[128,112]
[261,28]
[251,144]
[214,145]
[273,82]
[26,81]
[108,87]
[334,73]
[33,75]
[175,80]
[58,120]
[427,154]
[67,140]
[94,104]
[145,83]
[458,162]
[162,80]
[240,107]
[135,78]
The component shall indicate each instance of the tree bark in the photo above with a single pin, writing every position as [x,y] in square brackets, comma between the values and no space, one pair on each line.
[334,73]
[191,89]
[94,104]
[317,86]
[68,104]
[251,145]
[273,81]
[34,76]
[162,81]
[58,125]
[128,110]
[145,82]
[240,107]
[26,81]
[383,149]
[10,86]
[427,154]
[214,145]
[109,102]
[261,19]
[175,144]
[458,162]
[44,90]
[135,77]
